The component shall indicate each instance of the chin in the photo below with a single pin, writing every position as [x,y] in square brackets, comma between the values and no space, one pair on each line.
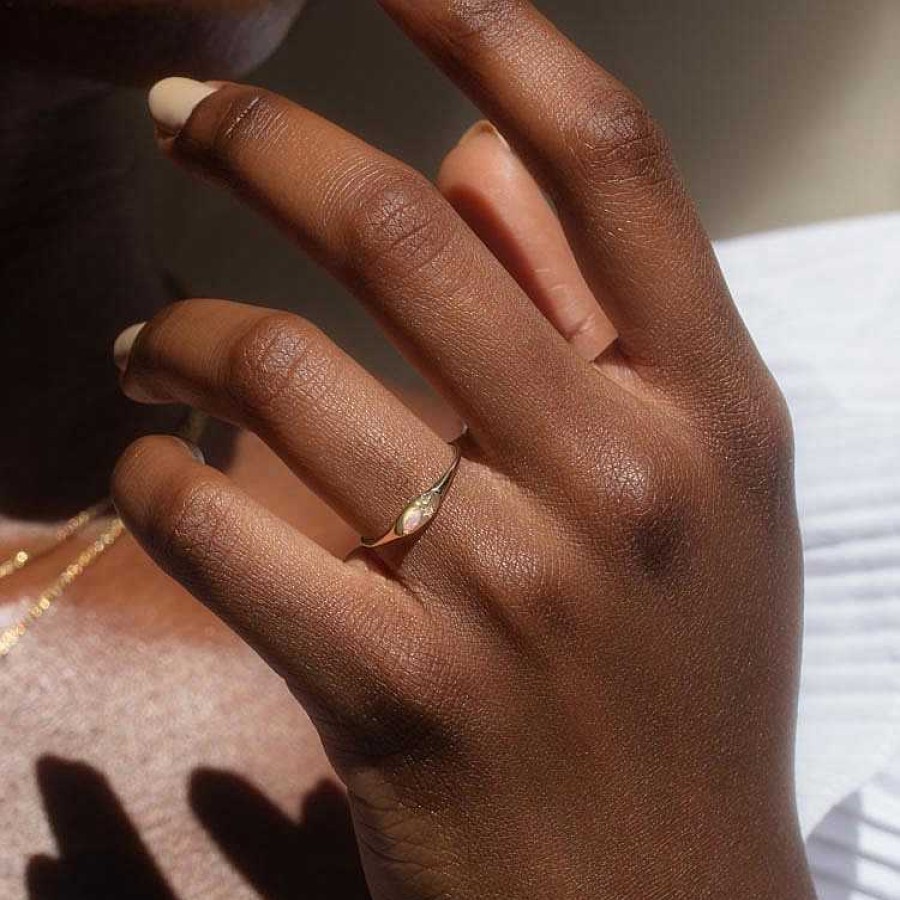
[138,41]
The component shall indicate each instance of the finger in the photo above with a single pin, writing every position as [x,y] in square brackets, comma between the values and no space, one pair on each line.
[341,431]
[604,162]
[388,233]
[329,630]
[497,196]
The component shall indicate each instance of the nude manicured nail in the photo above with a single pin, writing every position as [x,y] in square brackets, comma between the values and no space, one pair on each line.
[124,343]
[172,101]
[484,128]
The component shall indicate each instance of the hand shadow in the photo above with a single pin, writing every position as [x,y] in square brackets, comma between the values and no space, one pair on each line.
[101,855]
[313,858]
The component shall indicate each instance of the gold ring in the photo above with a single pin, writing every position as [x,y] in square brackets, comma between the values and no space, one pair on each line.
[420,511]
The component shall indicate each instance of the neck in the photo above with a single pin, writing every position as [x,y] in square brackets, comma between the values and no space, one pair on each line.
[75,269]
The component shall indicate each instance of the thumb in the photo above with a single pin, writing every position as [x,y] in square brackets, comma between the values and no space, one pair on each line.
[496,195]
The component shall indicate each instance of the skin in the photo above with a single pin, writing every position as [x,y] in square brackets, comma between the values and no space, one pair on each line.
[572,593]
[82,711]
[85,267]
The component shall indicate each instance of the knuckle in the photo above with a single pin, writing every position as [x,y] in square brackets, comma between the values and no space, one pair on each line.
[150,352]
[433,685]
[414,705]
[247,117]
[521,555]
[779,425]
[397,223]
[750,435]
[278,356]
[173,508]
[130,466]
[188,523]
[632,487]
[649,498]
[461,22]
[551,596]
[615,140]
[768,440]
[782,424]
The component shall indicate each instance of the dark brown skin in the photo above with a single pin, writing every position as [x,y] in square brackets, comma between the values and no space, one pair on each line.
[580,680]
[131,677]
[526,701]
[133,694]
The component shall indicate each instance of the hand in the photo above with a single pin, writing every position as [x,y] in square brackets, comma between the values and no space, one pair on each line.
[580,680]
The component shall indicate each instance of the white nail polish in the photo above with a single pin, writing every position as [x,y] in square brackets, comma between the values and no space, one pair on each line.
[124,343]
[172,101]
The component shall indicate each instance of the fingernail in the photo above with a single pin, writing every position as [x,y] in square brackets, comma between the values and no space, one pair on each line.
[172,101]
[124,343]
[193,449]
[484,128]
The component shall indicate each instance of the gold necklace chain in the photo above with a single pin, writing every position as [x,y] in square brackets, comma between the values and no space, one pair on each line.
[22,558]
[192,430]
[14,634]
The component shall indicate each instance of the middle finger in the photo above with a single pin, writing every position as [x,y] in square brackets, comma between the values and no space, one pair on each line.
[388,234]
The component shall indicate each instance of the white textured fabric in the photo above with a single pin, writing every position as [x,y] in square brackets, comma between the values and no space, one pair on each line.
[823,303]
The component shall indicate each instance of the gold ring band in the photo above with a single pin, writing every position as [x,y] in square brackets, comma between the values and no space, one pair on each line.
[419,512]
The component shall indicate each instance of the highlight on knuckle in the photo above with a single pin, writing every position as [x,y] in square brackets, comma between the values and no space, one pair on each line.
[397,223]
[251,116]
[767,441]
[462,22]
[549,588]
[616,141]
[279,355]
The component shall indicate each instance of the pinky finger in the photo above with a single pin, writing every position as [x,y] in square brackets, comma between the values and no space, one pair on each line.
[495,193]
[305,612]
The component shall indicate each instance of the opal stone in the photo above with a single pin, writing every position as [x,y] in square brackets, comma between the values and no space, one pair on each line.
[418,514]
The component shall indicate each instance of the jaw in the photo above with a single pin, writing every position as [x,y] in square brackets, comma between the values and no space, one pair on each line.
[138,41]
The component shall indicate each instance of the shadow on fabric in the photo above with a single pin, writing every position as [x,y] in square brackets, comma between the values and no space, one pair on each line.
[101,855]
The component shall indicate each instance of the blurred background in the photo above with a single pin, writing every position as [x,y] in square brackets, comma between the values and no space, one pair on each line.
[781,112]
